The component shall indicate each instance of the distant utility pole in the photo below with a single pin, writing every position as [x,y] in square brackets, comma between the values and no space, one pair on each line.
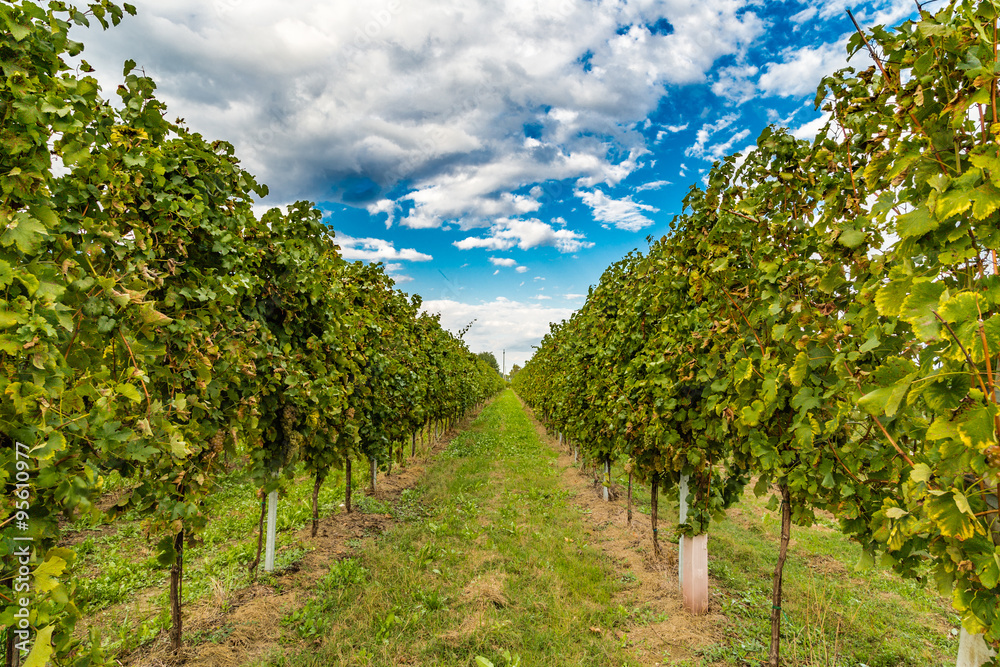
[504,355]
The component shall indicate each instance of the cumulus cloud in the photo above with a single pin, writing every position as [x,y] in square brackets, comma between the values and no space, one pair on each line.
[501,324]
[522,269]
[418,109]
[736,83]
[377,250]
[621,213]
[525,234]
[503,261]
[801,69]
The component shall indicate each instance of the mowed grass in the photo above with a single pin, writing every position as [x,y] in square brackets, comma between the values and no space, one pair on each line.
[496,572]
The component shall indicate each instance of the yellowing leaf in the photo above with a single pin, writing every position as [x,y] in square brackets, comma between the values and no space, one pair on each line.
[952,522]
[976,429]
[45,572]
[55,443]
[8,319]
[985,201]
[153,317]
[42,649]
[889,300]
[797,373]
[961,308]
[952,203]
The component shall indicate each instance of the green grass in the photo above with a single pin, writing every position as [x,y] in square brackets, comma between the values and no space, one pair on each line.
[488,572]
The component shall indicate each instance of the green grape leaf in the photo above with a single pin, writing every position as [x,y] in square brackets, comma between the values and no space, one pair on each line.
[886,399]
[916,223]
[921,472]
[130,392]
[852,238]
[6,274]
[25,232]
[918,309]
[944,395]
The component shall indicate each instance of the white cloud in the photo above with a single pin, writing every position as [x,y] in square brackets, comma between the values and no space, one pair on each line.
[801,69]
[522,269]
[621,213]
[718,151]
[525,234]
[707,131]
[383,206]
[394,272]
[736,83]
[654,185]
[503,261]
[376,250]
[575,296]
[809,130]
[427,94]
[879,12]
[500,325]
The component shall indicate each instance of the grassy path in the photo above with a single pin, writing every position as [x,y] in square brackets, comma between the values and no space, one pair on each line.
[498,570]
[498,550]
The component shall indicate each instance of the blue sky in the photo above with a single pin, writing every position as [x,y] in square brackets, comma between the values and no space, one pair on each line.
[496,156]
